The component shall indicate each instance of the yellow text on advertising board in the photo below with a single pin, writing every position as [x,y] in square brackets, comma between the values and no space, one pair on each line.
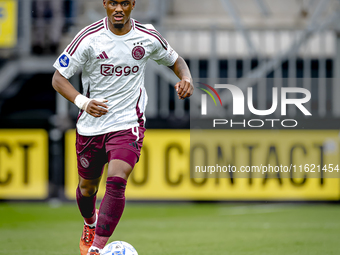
[23,164]
[163,172]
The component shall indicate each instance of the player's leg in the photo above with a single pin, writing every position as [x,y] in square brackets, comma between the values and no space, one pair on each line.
[86,200]
[113,203]
[91,158]
[123,153]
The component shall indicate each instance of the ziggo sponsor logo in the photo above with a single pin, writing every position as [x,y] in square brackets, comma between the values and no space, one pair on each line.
[110,70]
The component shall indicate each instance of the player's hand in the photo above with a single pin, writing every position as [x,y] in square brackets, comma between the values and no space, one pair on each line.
[96,108]
[184,88]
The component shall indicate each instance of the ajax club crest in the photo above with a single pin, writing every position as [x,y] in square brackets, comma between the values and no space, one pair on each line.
[138,52]
[84,162]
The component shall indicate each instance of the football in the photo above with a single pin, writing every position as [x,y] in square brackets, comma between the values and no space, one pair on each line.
[119,248]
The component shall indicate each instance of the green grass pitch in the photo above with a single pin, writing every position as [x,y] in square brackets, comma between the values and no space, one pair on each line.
[185,229]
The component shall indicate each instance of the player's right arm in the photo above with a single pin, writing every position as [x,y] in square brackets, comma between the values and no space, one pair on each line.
[91,106]
[75,55]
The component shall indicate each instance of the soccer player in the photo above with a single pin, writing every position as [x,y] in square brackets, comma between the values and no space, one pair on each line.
[110,128]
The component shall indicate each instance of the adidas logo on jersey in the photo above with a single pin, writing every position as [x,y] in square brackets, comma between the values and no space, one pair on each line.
[134,144]
[103,56]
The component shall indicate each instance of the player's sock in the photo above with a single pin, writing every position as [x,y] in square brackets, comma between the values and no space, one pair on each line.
[111,209]
[88,220]
[87,207]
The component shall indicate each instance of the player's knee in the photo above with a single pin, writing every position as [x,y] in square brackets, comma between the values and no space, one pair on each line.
[88,190]
[120,173]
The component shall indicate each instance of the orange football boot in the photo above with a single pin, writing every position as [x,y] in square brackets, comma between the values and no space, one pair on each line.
[87,237]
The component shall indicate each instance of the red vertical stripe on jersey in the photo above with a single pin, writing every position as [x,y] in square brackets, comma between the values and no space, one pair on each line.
[155,31]
[147,32]
[82,34]
[101,56]
[138,112]
[85,37]
[133,23]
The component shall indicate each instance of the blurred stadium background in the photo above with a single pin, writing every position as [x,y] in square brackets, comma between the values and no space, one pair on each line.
[294,43]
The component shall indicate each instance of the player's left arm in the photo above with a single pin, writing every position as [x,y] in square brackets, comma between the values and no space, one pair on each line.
[184,87]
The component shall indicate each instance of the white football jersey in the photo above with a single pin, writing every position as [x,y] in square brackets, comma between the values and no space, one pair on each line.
[113,68]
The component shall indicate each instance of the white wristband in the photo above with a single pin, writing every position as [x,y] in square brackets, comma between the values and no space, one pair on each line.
[82,102]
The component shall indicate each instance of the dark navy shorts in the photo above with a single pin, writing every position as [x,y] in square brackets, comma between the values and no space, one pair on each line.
[93,152]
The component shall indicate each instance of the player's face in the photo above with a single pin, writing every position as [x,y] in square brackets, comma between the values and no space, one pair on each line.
[118,12]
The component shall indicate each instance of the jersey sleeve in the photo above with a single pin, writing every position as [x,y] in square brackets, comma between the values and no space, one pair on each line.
[163,54]
[74,56]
